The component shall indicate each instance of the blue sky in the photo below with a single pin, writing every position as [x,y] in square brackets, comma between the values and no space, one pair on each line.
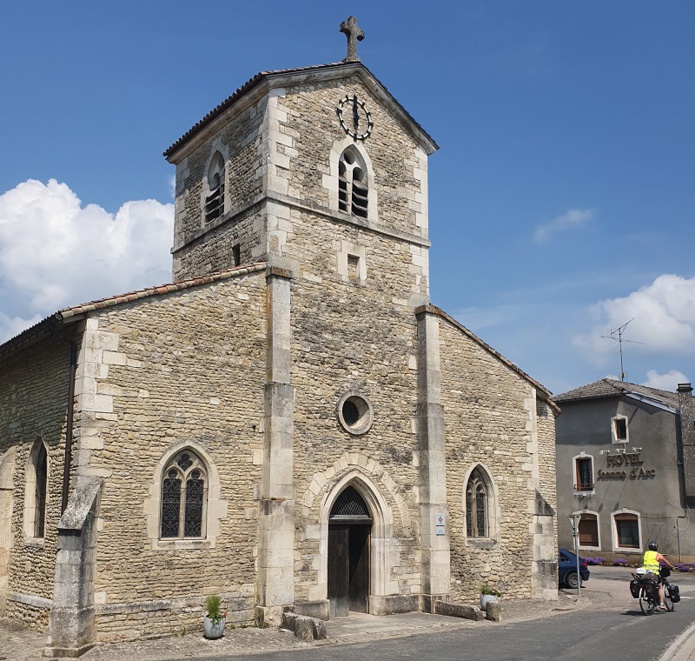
[561,199]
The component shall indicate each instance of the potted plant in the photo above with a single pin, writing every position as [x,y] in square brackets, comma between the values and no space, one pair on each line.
[214,621]
[488,594]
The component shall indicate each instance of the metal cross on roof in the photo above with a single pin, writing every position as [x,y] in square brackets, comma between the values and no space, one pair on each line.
[353,33]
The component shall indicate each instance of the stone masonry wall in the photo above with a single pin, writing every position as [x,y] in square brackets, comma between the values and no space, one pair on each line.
[353,323]
[313,124]
[282,148]
[240,142]
[487,422]
[185,368]
[353,335]
[33,404]
[214,251]
[546,417]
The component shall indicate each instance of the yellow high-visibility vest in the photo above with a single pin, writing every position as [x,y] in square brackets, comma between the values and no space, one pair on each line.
[649,561]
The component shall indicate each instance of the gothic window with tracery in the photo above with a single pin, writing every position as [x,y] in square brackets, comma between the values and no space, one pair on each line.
[477,506]
[214,202]
[184,497]
[353,190]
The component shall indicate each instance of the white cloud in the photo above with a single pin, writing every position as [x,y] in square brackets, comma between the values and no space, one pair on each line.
[668,381]
[572,219]
[663,320]
[55,253]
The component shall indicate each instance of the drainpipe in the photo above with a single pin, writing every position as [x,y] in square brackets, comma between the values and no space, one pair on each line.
[686,460]
[685,405]
[67,462]
[68,426]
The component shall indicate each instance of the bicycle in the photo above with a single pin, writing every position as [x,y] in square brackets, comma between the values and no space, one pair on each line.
[646,589]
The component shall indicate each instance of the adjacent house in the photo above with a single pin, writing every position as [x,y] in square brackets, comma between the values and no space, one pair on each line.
[625,469]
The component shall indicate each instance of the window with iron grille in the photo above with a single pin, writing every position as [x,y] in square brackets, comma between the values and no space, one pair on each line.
[477,506]
[184,498]
[353,191]
[584,473]
[350,505]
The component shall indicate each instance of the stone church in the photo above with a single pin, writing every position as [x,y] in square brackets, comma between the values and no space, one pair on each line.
[291,422]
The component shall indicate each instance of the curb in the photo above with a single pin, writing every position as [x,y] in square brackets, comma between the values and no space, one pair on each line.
[680,650]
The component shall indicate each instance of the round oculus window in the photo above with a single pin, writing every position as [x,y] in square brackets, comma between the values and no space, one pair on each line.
[355,413]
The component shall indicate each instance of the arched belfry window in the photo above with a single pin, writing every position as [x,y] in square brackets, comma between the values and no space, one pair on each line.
[353,188]
[477,505]
[184,497]
[214,202]
[350,506]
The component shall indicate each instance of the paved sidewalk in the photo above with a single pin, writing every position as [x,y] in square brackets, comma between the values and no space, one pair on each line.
[18,643]
[683,648]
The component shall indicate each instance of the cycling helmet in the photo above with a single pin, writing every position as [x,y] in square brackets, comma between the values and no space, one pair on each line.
[653,546]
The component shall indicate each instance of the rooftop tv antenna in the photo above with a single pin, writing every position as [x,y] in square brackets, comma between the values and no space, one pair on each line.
[617,336]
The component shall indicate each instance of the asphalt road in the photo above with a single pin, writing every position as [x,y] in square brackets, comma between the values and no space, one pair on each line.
[618,632]
[588,635]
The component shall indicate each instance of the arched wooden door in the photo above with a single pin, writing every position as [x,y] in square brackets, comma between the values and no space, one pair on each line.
[349,532]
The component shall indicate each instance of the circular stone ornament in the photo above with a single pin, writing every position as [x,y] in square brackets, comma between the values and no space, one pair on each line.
[355,413]
[354,117]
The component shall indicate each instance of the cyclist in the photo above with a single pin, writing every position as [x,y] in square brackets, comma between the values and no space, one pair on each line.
[651,561]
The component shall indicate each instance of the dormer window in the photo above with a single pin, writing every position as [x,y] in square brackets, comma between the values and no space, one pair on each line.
[214,202]
[353,191]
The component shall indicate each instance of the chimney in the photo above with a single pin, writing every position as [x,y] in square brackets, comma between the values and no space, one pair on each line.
[685,406]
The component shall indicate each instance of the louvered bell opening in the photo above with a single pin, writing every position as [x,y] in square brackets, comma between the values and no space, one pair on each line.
[343,194]
[214,204]
[359,199]
[350,506]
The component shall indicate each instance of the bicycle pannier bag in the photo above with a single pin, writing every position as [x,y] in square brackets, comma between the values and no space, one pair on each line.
[674,593]
[634,588]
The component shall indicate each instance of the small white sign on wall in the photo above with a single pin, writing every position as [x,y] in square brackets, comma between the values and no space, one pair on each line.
[440,524]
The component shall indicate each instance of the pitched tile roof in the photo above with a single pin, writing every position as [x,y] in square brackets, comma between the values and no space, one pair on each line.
[615,388]
[44,326]
[66,313]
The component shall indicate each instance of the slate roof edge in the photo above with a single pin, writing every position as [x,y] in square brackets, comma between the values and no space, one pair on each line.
[76,312]
[264,76]
[546,395]
[607,387]
[569,397]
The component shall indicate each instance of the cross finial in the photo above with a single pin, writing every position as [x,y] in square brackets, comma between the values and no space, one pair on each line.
[353,33]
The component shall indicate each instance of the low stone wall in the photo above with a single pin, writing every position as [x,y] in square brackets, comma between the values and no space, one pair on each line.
[164,617]
[28,609]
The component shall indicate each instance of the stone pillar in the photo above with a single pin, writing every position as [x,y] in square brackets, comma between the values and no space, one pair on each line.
[434,534]
[6,492]
[276,518]
[685,406]
[542,529]
[71,624]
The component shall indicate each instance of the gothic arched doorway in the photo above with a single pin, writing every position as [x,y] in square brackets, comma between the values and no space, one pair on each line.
[349,532]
